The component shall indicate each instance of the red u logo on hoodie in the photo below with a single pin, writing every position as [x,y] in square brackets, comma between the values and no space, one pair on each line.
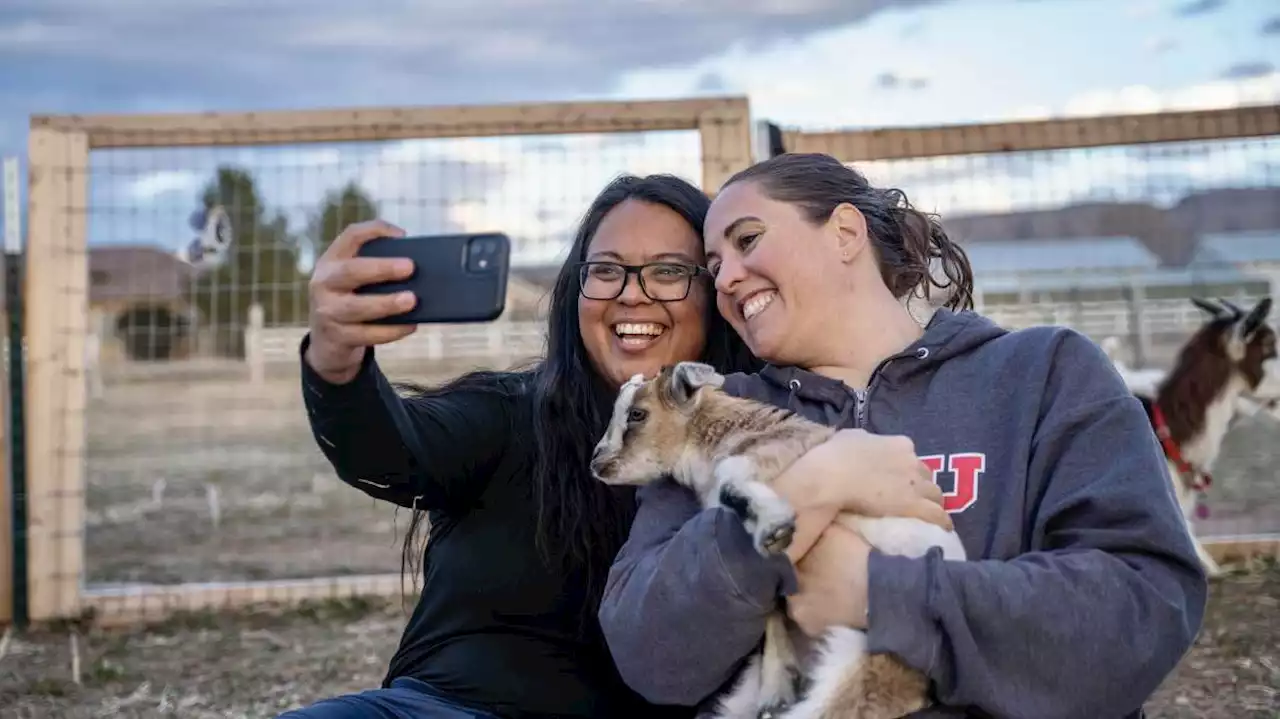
[966,469]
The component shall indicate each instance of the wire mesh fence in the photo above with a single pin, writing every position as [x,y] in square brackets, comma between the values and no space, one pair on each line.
[175,464]
[178,468]
[198,470]
[1082,229]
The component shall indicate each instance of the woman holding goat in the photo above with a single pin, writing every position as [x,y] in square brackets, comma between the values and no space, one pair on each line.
[1083,590]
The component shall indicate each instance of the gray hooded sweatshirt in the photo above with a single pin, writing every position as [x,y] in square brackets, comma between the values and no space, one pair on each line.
[1082,592]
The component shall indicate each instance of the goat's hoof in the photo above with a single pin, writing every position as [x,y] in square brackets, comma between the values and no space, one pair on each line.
[775,538]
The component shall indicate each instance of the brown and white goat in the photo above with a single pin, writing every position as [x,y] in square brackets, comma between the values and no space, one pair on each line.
[728,450]
[1224,362]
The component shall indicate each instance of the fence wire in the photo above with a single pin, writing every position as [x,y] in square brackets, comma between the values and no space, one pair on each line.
[200,463]
[200,469]
[1115,241]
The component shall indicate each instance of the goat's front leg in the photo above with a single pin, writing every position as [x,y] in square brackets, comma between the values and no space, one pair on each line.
[1187,500]
[767,517]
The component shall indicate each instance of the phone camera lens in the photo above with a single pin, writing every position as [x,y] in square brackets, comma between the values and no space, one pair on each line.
[481,254]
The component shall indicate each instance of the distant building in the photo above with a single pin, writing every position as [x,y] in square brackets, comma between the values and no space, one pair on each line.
[1256,252]
[139,303]
[1094,269]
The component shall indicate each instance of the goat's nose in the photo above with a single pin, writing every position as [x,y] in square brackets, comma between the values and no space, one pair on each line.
[597,461]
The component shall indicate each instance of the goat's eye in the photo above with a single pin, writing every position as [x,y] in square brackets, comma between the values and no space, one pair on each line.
[637,415]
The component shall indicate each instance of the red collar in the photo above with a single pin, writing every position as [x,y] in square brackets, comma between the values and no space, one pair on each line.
[1198,480]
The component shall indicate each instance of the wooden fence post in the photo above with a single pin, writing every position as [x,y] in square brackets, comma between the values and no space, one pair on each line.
[56,319]
[727,143]
[253,345]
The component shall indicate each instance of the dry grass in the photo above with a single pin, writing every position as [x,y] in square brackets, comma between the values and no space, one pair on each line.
[1234,668]
[257,665]
[283,514]
[219,480]
[203,666]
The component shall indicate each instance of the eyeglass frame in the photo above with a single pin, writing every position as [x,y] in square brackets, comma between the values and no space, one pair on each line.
[637,270]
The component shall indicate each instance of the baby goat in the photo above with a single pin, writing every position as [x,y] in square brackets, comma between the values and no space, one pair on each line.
[729,450]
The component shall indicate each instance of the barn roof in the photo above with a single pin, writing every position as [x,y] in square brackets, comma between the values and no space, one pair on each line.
[1068,254]
[1188,277]
[136,272]
[1238,248]
[133,273]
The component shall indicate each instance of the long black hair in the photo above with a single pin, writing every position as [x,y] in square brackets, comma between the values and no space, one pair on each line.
[582,523]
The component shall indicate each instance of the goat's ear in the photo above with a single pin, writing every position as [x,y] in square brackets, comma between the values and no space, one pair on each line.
[689,377]
[1256,317]
[1232,309]
[1213,310]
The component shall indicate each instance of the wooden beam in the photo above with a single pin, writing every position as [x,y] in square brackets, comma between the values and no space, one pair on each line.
[134,605]
[1242,548]
[56,317]
[912,142]
[384,123]
[726,138]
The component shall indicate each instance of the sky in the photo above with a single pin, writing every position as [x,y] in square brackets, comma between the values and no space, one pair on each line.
[812,64]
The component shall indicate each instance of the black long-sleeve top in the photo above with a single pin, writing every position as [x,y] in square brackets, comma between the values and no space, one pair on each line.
[495,625]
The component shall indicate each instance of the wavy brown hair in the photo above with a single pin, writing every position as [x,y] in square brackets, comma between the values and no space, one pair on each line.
[911,245]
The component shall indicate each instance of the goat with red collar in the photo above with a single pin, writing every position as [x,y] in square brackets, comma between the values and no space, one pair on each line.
[1226,360]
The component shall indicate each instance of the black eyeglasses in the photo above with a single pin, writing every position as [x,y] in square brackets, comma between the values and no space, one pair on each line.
[660,281]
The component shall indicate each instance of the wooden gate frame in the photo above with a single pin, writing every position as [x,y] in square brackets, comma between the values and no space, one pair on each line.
[56,284]
[57,296]
[908,143]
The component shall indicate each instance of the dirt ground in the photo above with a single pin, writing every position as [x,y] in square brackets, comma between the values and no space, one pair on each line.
[257,665]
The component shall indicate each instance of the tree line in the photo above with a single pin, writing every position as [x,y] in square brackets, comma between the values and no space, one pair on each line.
[262,264]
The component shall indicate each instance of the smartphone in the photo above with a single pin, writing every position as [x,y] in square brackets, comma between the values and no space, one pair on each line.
[456,278]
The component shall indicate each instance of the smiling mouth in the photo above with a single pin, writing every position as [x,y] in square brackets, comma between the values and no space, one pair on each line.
[638,334]
[757,302]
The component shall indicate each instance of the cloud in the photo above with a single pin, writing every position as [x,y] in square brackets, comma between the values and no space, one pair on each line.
[711,82]
[1159,45]
[1162,175]
[545,193]
[913,29]
[147,196]
[799,69]
[1142,9]
[533,188]
[146,188]
[1254,90]
[1198,7]
[895,81]
[1246,70]
[147,55]
[1271,27]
